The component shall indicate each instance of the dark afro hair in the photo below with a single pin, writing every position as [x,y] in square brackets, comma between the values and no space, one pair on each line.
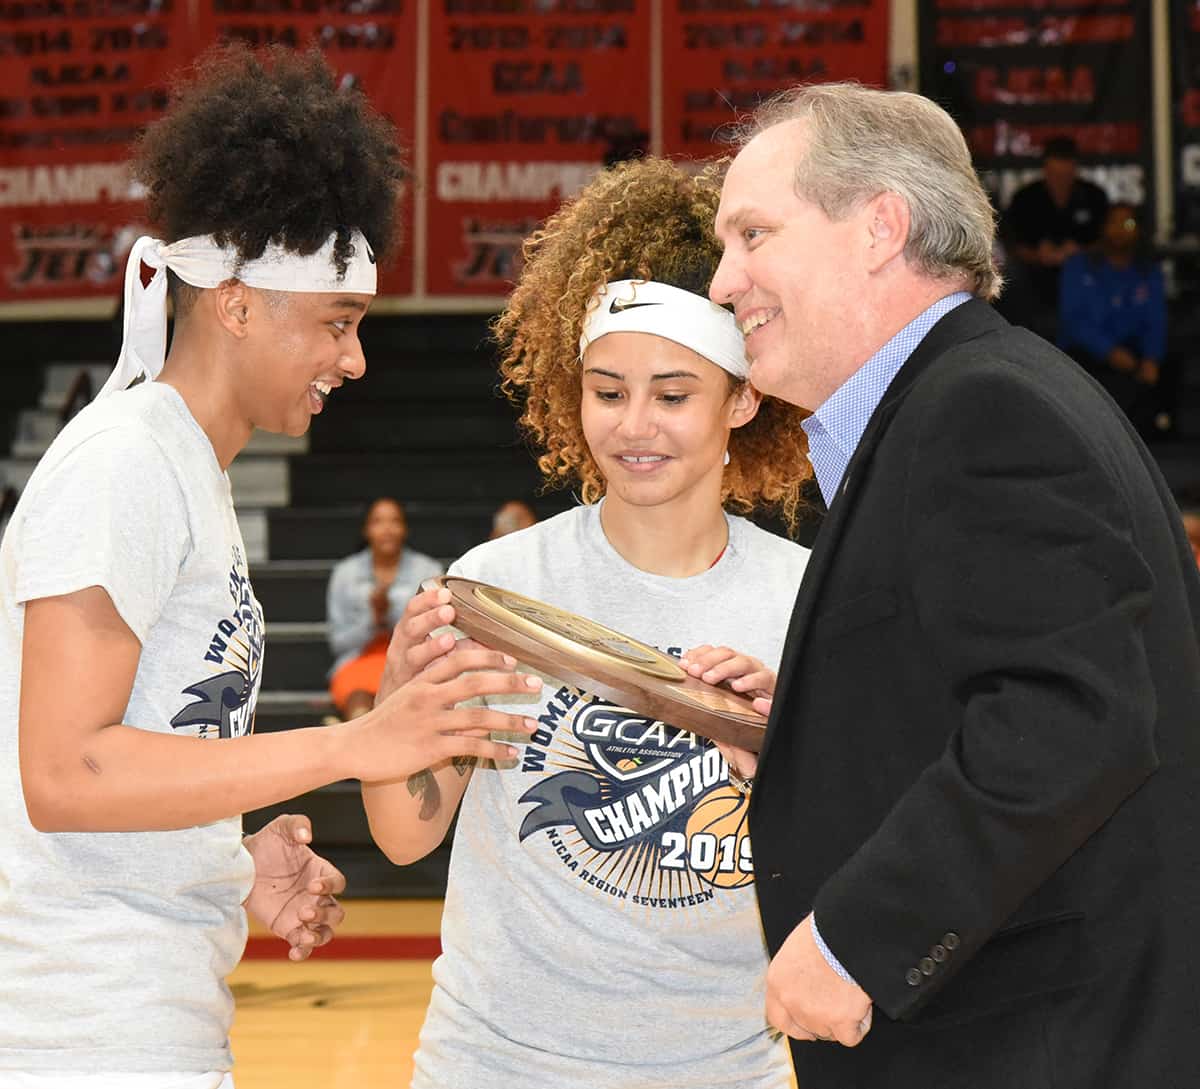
[261,147]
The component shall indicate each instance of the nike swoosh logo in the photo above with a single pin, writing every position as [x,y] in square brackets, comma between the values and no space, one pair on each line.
[370,252]
[616,306]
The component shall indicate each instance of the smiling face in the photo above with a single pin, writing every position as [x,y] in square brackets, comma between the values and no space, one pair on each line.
[656,417]
[798,280]
[300,347]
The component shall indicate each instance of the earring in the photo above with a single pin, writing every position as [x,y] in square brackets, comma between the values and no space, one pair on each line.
[726,461]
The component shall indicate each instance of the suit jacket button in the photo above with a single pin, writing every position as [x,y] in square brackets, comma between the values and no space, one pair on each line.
[951,940]
[938,952]
[913,978]
[927,966]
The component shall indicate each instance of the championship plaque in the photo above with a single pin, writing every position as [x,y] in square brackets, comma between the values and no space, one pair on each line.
[603,661]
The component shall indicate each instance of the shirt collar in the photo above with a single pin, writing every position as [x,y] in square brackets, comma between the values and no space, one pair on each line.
[835,429]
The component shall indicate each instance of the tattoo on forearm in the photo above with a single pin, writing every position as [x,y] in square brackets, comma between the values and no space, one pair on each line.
[463,764]
[424,785]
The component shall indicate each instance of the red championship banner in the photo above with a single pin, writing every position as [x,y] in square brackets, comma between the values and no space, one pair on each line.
[526,98]
[78,80]
[371,44]
[721,58]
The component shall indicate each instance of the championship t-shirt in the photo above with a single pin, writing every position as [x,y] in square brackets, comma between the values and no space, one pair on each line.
[600,926]
[114,947]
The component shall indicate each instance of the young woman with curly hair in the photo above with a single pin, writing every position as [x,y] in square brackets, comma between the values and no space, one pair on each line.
[600,926]
[131,644]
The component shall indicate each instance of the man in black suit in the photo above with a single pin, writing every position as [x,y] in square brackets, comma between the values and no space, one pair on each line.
[976,812]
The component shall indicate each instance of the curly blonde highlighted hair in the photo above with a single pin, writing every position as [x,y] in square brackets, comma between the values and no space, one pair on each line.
[645,220]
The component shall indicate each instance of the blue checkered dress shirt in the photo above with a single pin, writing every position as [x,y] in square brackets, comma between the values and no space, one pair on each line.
[835,429]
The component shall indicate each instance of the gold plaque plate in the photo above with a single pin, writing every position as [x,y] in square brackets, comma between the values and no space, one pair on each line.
[576,633]
[602,661]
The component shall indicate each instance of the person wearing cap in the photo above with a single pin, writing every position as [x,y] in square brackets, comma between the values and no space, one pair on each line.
[600,927]
[979,787]
[131,642]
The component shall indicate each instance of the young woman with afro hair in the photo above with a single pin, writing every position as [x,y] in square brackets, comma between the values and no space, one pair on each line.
[600,926]
[131,645]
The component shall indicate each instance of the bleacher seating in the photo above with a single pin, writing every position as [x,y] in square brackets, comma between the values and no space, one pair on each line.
[427,426]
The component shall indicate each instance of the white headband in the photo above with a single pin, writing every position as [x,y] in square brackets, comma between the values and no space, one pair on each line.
[646,306]
[202,263]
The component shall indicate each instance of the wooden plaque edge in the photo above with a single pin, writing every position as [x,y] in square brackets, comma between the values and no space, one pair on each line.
[596,677]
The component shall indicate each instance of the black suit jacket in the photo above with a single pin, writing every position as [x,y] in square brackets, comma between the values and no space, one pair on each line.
[981,769]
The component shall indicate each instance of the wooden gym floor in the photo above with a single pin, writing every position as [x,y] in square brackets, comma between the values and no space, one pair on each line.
[349,1016]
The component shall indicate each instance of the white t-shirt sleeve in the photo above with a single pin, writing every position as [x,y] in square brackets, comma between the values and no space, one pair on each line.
[110,513]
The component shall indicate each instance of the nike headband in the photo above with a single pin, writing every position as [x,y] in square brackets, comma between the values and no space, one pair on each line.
[646,306]
[202,263]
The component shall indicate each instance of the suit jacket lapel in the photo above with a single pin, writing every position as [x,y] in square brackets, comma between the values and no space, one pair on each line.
[973,319]
[824,549]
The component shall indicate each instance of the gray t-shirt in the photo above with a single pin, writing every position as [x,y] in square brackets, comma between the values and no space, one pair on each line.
[593,937]
[114,946]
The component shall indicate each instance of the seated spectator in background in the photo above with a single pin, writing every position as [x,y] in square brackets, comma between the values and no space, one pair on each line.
[1113,316]
[367,594]
[1047,222]
[510,517]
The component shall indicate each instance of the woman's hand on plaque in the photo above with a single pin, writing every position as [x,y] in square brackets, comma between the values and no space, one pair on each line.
[722,665]
[417,642]
[748,677]
[437,715]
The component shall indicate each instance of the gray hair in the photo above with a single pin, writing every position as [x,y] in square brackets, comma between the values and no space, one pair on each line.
[863,142]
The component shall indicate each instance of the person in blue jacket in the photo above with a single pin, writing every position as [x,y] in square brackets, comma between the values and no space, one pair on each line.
[1113,316]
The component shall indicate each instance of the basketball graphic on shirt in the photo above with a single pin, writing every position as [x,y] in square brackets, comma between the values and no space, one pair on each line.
[225,698]
[718,839]
[653,820]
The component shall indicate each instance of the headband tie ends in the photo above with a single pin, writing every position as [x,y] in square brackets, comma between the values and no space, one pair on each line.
[647,306]
[199,261]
